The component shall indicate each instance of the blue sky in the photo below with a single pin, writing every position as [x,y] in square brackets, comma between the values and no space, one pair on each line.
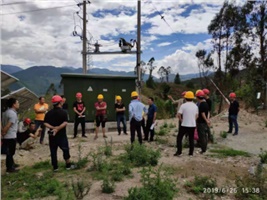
[45,37]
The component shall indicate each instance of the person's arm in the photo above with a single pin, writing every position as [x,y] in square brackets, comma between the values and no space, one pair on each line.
[154,117]
[6,128]
[173,101]
[120,109]
[55,129]
[20,129]
[179,115]
[205,118]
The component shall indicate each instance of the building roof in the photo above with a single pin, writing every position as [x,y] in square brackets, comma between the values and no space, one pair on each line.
[97,76]
[6,80]
[25,97]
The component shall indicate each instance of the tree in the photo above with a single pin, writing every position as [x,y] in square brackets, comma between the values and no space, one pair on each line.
[205,63]
[161,73]
[167,73]
[150,66]
[177,79]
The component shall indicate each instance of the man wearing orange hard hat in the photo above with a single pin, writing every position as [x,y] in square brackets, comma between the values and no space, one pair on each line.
[233,112]
[79,109]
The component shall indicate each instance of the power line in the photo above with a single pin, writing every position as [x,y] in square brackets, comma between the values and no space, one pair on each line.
[37,10]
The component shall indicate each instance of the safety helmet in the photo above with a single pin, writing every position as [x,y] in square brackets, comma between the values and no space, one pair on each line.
[56,99]
[232,95]
[206,91]
[183,93]
[134,94]
[27,121]
[189,95]
[79,95]
[100,96]
[200,93]
[118,97]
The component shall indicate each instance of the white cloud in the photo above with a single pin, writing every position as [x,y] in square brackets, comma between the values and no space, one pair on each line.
[164,44]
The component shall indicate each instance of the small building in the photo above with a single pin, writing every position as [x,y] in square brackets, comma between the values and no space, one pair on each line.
[90,85]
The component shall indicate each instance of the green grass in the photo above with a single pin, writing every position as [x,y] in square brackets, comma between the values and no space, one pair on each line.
[229,152]
[31,183]
[223,134]
[263,157]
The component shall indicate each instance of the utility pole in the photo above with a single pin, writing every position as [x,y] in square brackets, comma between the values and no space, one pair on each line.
[138,52]
[84,39]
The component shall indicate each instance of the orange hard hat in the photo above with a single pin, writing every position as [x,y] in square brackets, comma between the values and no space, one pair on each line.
[200,93]
[79,95]
[206,91]
[232,95]
[56,99]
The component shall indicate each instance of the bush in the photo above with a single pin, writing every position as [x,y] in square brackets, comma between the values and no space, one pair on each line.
[223,134]
[108,148]
[80,188]
[199,186]
[140,155]
[263,157]
[98,162]
[81,161]
[150,83]
[108,186]
[157,185]
[252,186]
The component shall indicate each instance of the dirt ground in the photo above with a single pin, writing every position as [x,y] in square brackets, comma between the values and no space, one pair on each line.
[252,138]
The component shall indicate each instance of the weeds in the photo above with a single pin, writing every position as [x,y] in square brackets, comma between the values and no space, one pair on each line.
[140,155]
[229,152]
[263,157]
[80,188]
[161,140]
[26,184]
[108,148]
[223,134]
[82,161]
[98,162]
[42,165]
[108,185]
[200,185]
[252,186]
[157,185]
[171,125]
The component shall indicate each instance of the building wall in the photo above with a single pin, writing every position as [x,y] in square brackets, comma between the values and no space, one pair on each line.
[92,85]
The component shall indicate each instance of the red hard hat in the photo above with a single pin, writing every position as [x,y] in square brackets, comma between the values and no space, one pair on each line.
[27,121]
[200,93]
[232,95]
[78,94]
[206,91]
[183,93]
[56,99]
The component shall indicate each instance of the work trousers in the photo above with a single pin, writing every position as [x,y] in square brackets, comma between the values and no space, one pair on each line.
[135,126]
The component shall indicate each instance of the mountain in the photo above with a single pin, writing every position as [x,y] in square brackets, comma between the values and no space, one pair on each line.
[10,69]
[39,78]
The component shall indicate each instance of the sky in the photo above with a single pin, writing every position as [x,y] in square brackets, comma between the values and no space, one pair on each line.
[30,36]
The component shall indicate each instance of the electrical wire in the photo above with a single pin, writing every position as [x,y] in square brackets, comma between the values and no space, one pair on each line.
[41,9]
[7,4]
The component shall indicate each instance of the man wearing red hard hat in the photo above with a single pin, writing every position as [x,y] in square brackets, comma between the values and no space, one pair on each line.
[233,112]
[56,120]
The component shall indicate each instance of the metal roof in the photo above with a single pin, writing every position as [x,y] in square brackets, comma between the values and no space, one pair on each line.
[25,97]
[6,80]
[102,76]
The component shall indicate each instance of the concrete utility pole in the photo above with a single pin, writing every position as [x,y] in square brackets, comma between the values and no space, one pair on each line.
[84,39]
[138,52]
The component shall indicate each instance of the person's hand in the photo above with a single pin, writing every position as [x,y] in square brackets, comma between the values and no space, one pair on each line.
[208,123]
[169,96]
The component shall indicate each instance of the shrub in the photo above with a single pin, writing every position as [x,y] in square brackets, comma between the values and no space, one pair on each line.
[199,187]
[156,185]
[140,155]
[82,161]
[108,186]
[252,186]
[263,157]
[80,188]
[108,148]
[98,162]
[223,134]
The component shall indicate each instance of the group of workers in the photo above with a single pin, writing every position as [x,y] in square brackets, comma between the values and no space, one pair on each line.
[192,116]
